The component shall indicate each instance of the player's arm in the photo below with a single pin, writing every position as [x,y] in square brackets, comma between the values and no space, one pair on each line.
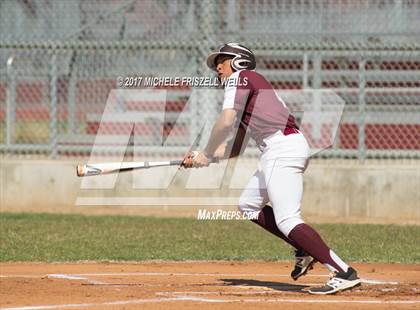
[234,100]
[234,147]
[220,131]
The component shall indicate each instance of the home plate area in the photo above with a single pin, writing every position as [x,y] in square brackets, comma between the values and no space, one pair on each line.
[199,285]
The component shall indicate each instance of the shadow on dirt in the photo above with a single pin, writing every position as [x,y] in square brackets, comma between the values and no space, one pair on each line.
[279,286]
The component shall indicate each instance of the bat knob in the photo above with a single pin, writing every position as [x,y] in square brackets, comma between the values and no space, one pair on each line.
[81,171]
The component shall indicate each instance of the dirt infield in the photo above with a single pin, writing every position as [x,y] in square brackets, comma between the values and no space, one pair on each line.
[198,285]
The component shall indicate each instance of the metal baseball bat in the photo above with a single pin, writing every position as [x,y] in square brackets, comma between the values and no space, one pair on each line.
[106,168]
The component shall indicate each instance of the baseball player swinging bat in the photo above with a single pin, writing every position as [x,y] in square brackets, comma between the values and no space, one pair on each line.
[250,102]
[107,168]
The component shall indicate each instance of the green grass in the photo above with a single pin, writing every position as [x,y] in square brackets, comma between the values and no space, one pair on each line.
[48,238]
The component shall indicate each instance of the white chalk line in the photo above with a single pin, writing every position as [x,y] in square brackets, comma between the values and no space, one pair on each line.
[65,276]
[256,292]
[82,276]
[208,300]
[374,282]
[75,277]
[85,305]
[164,274]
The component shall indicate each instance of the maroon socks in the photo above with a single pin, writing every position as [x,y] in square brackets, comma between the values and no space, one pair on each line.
[310,241]
[303,238]
[267,221]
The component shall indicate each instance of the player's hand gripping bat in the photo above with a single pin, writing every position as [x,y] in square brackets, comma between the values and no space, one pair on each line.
[106,168]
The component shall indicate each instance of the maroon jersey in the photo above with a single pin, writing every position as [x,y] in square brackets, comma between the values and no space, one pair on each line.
[258,105]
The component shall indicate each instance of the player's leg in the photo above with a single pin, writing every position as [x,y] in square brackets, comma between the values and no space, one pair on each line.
[285,191]
[303,261]
[254,199]
[284,179]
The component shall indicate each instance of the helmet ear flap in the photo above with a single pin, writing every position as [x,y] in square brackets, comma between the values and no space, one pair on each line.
[235,63]
[232,65]
[240,63]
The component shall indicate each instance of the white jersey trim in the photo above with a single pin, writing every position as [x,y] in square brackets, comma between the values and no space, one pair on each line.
[230,91]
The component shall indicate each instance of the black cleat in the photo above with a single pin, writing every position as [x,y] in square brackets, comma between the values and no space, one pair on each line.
[339,282]
[303,263]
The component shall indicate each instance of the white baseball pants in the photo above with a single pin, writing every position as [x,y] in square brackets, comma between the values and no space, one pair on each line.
[279,180]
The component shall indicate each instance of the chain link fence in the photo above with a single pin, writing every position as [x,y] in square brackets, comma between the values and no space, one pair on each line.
[61,60]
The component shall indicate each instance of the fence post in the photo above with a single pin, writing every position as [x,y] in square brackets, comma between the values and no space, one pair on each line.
[10,103]
[207,26]
[362,109]
[71,121]
[317,94]
[53,105]
[305,71]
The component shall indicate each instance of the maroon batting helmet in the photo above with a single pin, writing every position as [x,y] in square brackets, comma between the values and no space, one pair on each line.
[242,57]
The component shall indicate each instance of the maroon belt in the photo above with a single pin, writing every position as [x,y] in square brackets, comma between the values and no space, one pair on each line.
[290,130]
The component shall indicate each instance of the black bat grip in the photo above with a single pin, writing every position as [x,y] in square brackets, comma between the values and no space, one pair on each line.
[213,160]
[176,162]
